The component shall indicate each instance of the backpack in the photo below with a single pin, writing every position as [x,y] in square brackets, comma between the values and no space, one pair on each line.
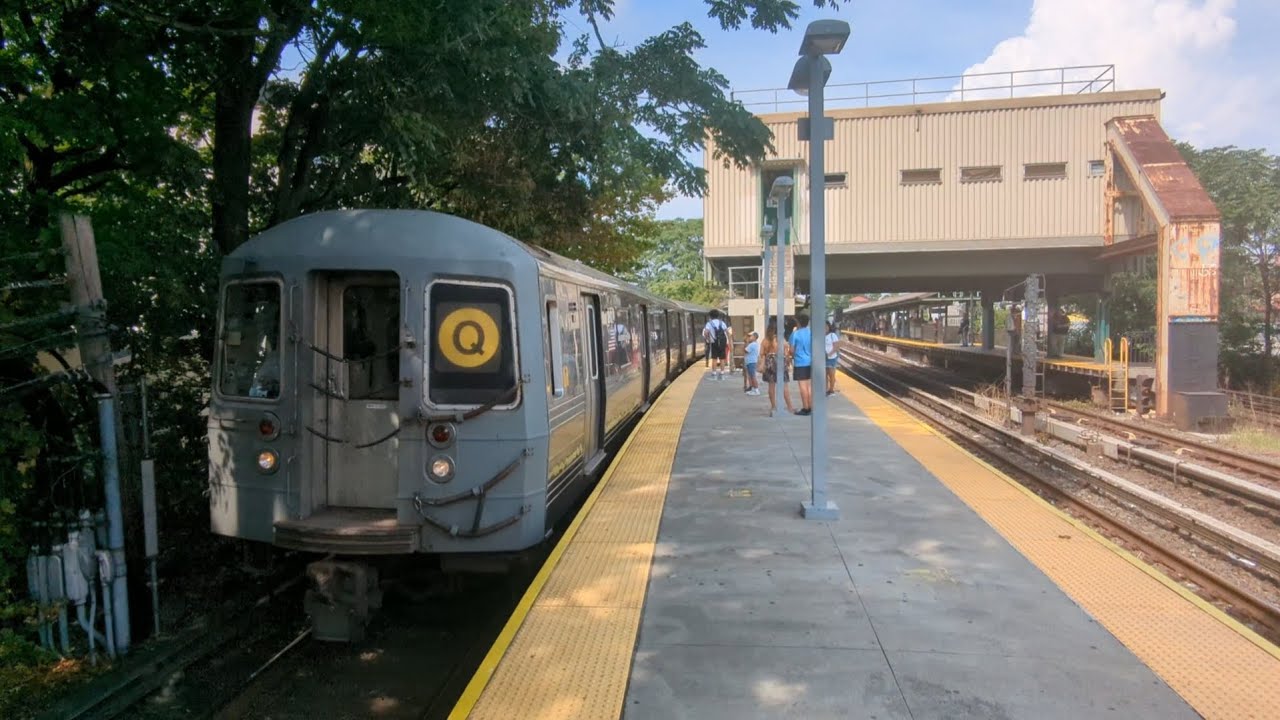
[720,337]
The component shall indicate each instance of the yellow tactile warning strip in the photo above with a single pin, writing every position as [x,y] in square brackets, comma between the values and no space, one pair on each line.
[1220,667]
[1080,363]
[566,651]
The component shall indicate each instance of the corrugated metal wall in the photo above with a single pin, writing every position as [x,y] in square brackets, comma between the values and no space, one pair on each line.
[874,207]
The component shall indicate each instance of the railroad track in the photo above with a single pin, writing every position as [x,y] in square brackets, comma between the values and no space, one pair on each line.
[1267,470]
[1011,452]
[1263,497]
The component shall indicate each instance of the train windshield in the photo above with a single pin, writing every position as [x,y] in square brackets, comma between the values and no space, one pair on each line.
[473,344]
[249,340]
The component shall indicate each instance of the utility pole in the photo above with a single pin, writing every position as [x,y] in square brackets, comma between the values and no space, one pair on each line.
[95,354]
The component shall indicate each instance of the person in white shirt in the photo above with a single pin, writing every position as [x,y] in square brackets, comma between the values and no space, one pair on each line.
[716,333]
[832,356]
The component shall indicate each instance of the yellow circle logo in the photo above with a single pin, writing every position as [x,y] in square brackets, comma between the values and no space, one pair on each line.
[468,337]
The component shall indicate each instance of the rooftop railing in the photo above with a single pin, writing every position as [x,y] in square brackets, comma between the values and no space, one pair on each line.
[1067,80]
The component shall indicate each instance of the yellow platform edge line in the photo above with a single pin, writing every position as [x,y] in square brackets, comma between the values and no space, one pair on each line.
[484,673]
[1213,611]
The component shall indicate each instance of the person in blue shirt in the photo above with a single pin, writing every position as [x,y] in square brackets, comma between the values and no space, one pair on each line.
[751,358]
[802,360]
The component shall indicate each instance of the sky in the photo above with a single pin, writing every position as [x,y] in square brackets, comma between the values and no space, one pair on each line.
[1217,60]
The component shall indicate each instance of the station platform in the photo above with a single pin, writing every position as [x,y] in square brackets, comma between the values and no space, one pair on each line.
[1070,364]
[690,587]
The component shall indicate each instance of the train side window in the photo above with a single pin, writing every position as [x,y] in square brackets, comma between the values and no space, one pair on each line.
[250,340]
[473,344]
[557,349]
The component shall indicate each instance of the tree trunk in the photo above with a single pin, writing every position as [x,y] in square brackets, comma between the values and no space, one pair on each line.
[234,101]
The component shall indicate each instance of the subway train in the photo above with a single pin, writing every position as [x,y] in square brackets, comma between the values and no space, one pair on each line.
[391,382]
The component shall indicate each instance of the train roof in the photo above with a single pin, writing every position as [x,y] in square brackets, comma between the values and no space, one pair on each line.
[400,233]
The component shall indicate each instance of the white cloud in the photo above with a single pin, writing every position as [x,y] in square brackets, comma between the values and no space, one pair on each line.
[1183,47]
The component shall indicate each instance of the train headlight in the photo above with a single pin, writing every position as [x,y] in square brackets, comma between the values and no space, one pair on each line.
[268,461]
[441,435]
[441,468]
[269,426]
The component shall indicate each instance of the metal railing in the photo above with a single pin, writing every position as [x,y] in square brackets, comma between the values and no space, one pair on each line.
[1262,409]
[1066,80]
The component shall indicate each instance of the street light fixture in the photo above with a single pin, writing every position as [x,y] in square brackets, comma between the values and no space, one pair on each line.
[824,37]
[809,77]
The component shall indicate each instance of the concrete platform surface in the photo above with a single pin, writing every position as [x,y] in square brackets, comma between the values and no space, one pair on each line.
[909,606]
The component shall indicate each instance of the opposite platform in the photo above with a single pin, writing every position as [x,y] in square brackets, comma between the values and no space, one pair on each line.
[910,606]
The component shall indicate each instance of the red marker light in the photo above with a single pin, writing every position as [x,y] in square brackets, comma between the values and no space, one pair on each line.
[441,434]
[269,427]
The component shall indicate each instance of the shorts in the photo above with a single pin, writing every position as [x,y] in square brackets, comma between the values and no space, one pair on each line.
[717,350]
[804,373]
[831,363]
[751,370]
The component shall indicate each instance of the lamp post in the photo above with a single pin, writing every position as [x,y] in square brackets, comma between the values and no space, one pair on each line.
[809,77]
[779,194]
[766,235]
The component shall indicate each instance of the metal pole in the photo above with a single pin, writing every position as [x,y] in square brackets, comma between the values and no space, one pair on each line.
[783,236]
[766,267]
[819,508]
[115,520]
[149,520]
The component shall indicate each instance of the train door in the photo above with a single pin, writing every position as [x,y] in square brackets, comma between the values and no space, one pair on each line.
[594,385]
[681,326]
[362,359]
[646,342]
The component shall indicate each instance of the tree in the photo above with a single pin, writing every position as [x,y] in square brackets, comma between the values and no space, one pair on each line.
[672,264]
[1245,185]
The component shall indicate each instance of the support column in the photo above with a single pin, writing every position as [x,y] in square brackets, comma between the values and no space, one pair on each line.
[988,320]
[1187,321]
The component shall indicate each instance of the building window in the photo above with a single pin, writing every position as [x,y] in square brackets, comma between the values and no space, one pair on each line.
[769,214]
[1044,171]
[929,176]
[985,173]
[744,282]
[835,179]
[1097,168]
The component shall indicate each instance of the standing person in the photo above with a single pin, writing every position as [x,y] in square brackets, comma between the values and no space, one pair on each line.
[802,361]
[1059,327]
[964,328]
[770,351]
[750,360]
[1015,329]
[832,357]
[716,333]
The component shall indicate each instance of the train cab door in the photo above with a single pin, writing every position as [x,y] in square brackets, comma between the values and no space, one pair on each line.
[595,396]
[363,390]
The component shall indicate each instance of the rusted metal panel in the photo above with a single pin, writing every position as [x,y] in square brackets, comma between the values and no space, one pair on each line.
[1192,276]
[1176,188]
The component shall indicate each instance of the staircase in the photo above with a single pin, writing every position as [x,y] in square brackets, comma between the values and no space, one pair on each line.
[1118,375]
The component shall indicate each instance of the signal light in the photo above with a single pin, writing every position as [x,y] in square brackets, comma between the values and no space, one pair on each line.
[268,461]
[441,435]
[269,427]
[441,468]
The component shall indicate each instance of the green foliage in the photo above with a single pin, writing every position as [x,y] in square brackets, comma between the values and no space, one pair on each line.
[672,264]
[1245,185]
[182,126]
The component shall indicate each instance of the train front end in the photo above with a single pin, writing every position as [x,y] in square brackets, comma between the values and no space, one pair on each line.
[370,389]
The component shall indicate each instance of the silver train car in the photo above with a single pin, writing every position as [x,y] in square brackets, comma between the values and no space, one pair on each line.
[396,382]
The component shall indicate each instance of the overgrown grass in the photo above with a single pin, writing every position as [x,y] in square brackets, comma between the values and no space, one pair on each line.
[31,675]
[1255,438]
